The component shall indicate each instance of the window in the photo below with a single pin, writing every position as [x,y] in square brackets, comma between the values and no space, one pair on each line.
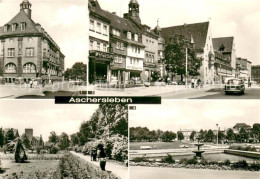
[29,68]
[131,61]
[118,45]
[23,26]
[129,35]
[114,31]
[10,68]
[119,59]
[116,59]
[91,25]
[91,45]
[136,37]
[10,52]
[2,49]
[139,50]
[11,40]
[117,33]
[99,27]
[98,46]
[104,47]
[5,28]
[29,52]
[122,46]
[105,29]
[147,41]
[13,27]
[44,53]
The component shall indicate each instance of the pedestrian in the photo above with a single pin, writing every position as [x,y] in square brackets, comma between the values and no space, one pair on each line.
[91,155]
[102,161]
[94,155]
[192,82]
[249,84]
[43,83]
[198,83]
[98,154]
[31,83]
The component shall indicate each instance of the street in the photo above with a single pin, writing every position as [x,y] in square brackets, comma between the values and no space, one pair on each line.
[214,93]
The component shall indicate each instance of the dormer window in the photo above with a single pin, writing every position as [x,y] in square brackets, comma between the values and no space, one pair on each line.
[5,28]
[129,35]
[14,27]
[136,37]
[23,26]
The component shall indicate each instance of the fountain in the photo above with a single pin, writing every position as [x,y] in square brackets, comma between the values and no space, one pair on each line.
[198,152]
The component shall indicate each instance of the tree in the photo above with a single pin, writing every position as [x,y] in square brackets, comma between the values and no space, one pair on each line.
[121,127]
[74,139]
[26,142]
[64,141]
[175,57]
[180,135]
[53,138]
[41,143]
[209,136]
[230,135]
[9,136]
[168,136]
[20,155]
[2,138]
[192,135]
[243,134]
[78,71]
[256,131]
[221,136]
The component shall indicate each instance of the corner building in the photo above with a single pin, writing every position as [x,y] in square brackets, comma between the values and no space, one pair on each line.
[27,51]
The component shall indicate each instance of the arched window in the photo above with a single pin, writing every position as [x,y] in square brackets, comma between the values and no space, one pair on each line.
[10,68]
[29,68]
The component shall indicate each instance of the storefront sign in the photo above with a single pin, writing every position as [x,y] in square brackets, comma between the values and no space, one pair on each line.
[134,68]
[99,54]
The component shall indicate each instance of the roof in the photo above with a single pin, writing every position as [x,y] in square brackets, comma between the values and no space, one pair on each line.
[227,43]
[198,31]
[21,17]
[241,125]
[133,2]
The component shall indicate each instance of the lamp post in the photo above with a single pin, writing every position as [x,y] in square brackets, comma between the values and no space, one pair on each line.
[217,134]
[186,68]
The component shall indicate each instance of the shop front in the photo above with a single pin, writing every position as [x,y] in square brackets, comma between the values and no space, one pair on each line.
[99,66]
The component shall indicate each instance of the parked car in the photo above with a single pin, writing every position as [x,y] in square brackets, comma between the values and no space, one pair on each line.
[172,83]
[181,82]
[184,146]
[235,85]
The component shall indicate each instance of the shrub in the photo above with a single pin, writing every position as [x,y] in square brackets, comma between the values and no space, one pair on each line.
[168,159]
[193,160]
[255,166]
[54,149]
[227,162]
[20,155]
[184,161]
[140,159]
[204,162]
[240,164]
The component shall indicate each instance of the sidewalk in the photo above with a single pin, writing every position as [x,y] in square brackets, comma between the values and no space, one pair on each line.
[144,91]
[119,170]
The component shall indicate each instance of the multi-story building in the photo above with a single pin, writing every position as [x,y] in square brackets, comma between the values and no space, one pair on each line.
[27,51]
[100,57]
[226,46]
[200,35]
[255,73]
[243,69]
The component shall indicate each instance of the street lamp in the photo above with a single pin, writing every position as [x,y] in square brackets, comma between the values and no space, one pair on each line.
[217,134]
[186,74]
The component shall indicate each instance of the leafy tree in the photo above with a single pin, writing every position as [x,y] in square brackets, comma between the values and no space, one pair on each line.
[221,136]
[64,141]
[168,136]
[243,134]
[86,132]
[230,135]
[192,135]
[26,142]
[2,138]
[256,131]
[9,136]
[175,57]
[53,138]
[74,139]
[78,71]
[209,136]
[41,143]
[155,75]
[121,127]
[180,135]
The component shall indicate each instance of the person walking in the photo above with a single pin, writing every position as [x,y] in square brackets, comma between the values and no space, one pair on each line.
[98,155]
[102,161]
[31,83]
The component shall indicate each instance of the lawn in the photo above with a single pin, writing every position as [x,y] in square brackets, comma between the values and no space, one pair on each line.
[159,145]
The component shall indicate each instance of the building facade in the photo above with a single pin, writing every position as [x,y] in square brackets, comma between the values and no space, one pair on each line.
[255,73]
[200,35]
[243,68]
[27,51]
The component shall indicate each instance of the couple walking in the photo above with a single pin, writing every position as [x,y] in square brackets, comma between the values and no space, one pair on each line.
[99,154]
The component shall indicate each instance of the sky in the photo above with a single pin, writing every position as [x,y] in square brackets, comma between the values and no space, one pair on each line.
[64,20]
[238,18]
[174,115]
[44,116]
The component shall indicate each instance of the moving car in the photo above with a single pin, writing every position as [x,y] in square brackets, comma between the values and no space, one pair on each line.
[145,148]
[235,85]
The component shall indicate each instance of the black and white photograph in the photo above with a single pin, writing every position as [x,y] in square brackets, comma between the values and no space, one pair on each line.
[43,48]
[174,49]
[63,141]
[195,139]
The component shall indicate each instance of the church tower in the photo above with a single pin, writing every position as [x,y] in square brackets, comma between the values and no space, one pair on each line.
[26,7]
[134,10]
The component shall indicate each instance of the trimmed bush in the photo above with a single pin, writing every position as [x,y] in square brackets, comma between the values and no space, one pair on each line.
[255,166]
[240,164]
[227,162]
[140,159]
[168,159]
